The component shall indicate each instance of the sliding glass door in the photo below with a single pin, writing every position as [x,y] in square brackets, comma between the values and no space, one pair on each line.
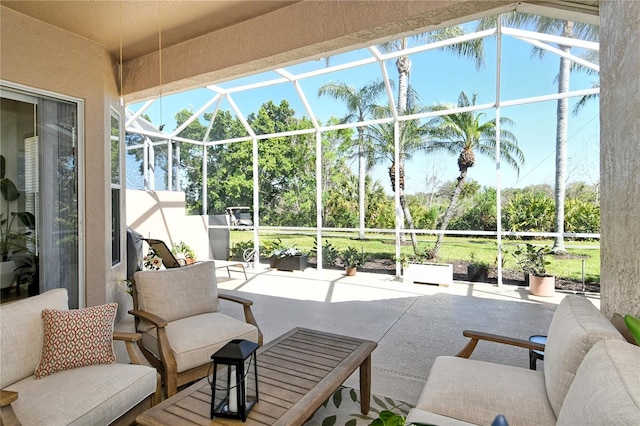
[40,214]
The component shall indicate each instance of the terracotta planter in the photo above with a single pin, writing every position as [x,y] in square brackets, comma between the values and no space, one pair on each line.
[350,271]
[542,286]
[288,263]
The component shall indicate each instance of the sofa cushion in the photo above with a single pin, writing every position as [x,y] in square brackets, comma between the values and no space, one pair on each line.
[21,333]
[606,389]
[94,395]
[193,340]
[177,293]
[575,327]
[77,338]
[419,416]
[477,391]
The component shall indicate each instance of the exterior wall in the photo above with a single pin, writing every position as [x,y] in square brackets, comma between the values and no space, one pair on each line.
[44,57]
[620,156]
[162,215]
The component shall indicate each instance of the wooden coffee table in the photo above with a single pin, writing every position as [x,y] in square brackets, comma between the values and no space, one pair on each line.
[297,372]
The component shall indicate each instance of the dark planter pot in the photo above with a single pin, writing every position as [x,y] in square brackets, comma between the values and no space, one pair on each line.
[477,273]
[288,263]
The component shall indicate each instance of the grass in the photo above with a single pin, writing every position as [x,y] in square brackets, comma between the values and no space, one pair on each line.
[454,248]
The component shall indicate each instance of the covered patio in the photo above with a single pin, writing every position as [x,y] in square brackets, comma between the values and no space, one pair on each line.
[412,323]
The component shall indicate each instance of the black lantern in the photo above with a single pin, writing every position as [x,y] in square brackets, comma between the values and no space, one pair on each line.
[235,403]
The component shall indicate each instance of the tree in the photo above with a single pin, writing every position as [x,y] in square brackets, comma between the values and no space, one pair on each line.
[360,105]
[465,134]
[472,49]
[412,138]
[568,29]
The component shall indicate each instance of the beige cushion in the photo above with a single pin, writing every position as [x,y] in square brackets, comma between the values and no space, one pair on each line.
[477,391]
[21,333]
[94,395]
[606,389]
[177,293]
[193,340]
[575,327]
[417,415]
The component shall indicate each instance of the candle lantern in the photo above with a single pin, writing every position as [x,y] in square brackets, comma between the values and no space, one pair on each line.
[233,400]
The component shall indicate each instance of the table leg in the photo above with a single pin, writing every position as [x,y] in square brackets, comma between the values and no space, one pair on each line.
[365,385]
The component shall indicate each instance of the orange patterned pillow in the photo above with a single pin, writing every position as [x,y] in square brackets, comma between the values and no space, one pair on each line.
[76,338]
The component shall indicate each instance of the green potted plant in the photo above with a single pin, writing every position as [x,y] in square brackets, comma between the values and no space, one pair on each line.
[420,268]
[11,240]
[531,260]
[351,259]
[182,250]
[477,270]
[287,259]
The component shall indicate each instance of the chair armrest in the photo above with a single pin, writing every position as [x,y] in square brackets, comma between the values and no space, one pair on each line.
[236,299]
[476,336]
[7,415]
[132,349]
[154,319]
[248,313]
[7,397]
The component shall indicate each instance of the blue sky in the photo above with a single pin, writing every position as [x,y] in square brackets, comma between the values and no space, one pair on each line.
[439,77]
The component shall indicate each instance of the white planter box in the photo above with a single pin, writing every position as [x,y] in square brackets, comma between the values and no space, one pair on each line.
[432,273]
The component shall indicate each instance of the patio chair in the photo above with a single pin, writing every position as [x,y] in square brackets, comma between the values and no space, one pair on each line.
[178,313]
[170,261]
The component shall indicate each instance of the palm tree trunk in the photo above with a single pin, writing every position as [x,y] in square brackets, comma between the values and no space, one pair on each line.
[561,150]
[409,219]
[449,214]
[403,65]
[361,189]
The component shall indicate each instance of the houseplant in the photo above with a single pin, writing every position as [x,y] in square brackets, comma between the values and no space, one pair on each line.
[531,260]
[351,259]
[11,240]
[182,250]
[287,259]
[477,270]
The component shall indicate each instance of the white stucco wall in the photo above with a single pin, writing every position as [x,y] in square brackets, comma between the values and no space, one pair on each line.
[44,57]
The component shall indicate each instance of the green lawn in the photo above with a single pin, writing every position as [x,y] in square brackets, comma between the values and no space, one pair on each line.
[454,248]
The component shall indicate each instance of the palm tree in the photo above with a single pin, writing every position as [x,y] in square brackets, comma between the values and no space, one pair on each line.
[360,105]
[568,29]
[472,49]
[412,139]
[464,134]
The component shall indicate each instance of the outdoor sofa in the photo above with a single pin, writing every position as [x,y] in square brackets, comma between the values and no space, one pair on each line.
[591,377]
[68,392]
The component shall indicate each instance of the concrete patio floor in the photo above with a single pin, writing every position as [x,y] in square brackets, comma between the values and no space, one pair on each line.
[412,323]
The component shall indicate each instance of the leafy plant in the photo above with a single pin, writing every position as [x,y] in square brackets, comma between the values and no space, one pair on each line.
[238,248]
[350,257]
[474,261]
[10,240]
[531,259]
[389,418]
[182,248]
[330,254]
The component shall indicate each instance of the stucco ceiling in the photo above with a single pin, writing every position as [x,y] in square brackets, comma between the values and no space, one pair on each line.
[139,22]
[136,24]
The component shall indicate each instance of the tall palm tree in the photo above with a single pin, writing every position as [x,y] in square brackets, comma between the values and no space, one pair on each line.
[412,139]
[473,49]
[360,105]
[465,134]
[569,29]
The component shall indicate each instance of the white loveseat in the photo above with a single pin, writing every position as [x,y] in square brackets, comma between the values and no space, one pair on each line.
[591,377]
[89,395]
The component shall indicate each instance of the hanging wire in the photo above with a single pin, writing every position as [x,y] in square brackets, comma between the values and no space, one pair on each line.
[160,63]
[120,73]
